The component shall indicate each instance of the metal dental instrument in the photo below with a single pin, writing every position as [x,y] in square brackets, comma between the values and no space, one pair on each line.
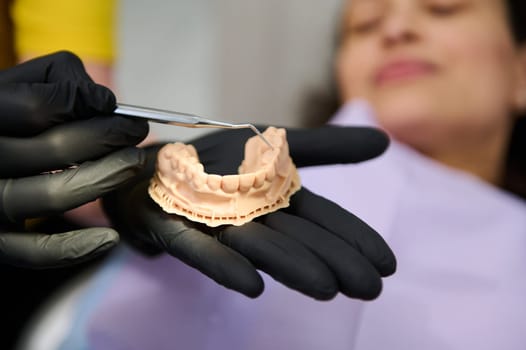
[181,119]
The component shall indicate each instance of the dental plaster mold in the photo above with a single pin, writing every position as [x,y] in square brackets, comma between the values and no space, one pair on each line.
[266,179]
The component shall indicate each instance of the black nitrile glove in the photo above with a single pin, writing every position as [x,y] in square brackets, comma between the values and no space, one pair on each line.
[313,246]
[53,117]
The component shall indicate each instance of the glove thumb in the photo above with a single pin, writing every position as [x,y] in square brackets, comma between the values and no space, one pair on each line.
[335,145]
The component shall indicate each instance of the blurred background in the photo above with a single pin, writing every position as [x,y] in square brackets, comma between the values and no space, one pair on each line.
[237,60]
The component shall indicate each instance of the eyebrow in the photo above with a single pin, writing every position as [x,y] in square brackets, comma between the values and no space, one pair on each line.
[365,1]
[361,3]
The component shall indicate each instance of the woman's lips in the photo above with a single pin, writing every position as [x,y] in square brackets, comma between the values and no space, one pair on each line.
[401,70]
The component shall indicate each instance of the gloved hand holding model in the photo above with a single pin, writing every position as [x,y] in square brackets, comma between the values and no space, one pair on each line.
[313,246]
[60,147]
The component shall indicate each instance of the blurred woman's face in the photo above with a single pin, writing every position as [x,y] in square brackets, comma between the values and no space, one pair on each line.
[433,70]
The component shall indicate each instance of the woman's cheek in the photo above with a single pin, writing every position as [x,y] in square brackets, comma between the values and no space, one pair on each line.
[353,70]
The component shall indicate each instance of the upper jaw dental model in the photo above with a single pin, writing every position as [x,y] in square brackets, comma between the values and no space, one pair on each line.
[266,180]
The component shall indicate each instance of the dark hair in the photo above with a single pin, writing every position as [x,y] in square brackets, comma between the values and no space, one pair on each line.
[515,176]
[7,52]
[321,104]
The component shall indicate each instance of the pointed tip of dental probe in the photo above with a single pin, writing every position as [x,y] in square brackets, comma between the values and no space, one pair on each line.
[260,135]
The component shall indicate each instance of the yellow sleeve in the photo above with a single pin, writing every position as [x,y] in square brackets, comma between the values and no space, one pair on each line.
[85,27]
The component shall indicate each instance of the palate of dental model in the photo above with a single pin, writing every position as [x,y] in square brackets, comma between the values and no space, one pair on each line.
[266,180]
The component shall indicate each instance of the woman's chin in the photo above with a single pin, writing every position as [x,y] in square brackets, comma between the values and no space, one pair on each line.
[412,126]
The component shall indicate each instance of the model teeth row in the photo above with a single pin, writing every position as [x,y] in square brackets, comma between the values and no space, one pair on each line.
[186,168]
[171,206]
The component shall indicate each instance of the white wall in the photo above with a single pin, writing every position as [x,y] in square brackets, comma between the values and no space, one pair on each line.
[239,60]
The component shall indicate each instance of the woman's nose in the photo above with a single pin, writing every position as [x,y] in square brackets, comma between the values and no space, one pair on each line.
[399,27]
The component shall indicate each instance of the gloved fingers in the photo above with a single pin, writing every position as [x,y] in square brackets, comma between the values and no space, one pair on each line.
[38,251]
[209,256]
[307,147]
[356,277]
[335,145]
[58,66]
[54,193]
[30,108]
[187,242]
[68,144]
[345,225]
[283,258]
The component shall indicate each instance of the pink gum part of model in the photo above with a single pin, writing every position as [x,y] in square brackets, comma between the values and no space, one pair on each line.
[266,180]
